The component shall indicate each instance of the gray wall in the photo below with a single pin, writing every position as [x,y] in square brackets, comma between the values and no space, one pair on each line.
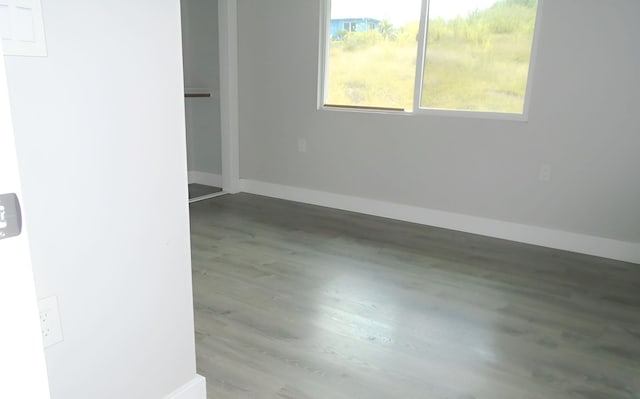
[583,121]
[100,138]
[201,70]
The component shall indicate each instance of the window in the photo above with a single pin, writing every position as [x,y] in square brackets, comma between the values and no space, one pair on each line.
[425,55]
[350,26]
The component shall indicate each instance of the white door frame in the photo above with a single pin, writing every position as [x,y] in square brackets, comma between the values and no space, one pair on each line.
[23,372]
[229,104]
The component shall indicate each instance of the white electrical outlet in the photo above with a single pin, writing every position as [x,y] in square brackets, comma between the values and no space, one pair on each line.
[544,173]
[50,321]
[302,145]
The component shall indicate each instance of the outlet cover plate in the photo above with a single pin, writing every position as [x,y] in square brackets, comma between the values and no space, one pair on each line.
[302,145]
[50,321]
[544,172]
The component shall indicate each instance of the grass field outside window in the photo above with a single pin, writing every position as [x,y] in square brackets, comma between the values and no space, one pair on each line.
[478,61]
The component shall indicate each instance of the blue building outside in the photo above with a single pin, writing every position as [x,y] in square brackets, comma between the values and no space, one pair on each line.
[341,25]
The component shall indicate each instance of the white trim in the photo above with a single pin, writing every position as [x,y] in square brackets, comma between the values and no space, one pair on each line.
[461,113]
[208,179]
[229,97]
[194,389]
[323,52]
[207,196]
[337,108]
[546,237]
[421,57]
[447,113]
[22,363]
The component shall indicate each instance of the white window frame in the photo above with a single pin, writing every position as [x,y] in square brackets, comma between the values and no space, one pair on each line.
[325,28]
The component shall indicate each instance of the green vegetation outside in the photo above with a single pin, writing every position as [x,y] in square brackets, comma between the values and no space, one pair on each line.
[479,62]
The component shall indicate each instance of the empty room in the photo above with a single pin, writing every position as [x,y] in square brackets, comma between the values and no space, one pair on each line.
[410,199]
[469,246]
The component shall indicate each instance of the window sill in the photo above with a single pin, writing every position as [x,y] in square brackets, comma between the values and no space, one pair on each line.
[446,113]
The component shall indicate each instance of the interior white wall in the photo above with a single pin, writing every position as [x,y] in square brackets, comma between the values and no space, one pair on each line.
[100,138]
[202,70]
[583,120]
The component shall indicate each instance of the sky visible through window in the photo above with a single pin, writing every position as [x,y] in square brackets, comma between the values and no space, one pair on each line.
[404,11]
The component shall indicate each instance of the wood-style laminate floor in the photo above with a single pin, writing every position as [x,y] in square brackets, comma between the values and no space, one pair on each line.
[199,190]
[298,301]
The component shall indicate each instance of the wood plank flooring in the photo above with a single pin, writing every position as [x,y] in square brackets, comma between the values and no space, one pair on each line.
[199,190]
[298,301]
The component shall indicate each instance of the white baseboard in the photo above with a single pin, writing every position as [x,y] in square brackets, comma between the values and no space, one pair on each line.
[585,244]
[194,389]
[208,179]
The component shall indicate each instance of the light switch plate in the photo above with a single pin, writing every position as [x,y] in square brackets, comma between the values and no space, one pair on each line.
[22,28]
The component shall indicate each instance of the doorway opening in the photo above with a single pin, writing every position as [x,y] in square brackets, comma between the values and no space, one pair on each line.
[201,62]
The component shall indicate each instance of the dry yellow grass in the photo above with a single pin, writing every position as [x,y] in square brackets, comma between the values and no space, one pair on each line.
[477,63]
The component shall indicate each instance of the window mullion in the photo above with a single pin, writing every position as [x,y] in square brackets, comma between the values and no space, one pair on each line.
[420,59]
